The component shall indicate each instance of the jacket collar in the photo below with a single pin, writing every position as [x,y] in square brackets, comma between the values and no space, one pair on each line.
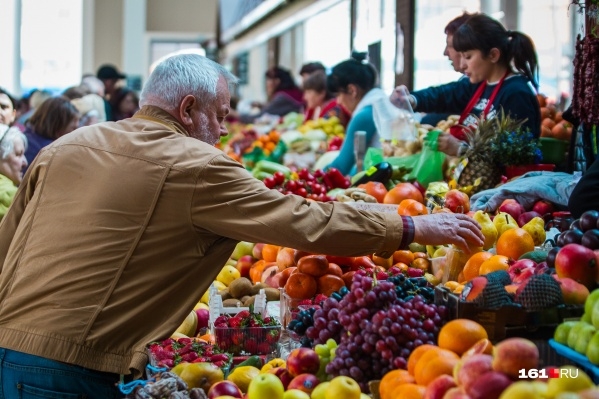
[156,114]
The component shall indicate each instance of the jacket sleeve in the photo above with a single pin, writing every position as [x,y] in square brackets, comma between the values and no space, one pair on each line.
[229,202]
[364,121]
[448,98]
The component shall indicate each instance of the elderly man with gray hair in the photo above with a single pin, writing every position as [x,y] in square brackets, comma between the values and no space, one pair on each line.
[120,227]
[13,144]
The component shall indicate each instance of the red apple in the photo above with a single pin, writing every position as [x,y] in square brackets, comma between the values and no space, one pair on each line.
[457,201]
[303,360]
[521,270]
[203,317]
[513,208]
[574,293]
[527,217]
[224,388]
[578,263]
[244,264]
[304,382]
[283,374]
[543,207]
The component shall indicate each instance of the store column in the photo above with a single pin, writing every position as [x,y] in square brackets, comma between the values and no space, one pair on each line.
[134,45]
[10,32]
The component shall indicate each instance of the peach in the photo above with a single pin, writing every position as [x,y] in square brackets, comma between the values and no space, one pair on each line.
[456,393]
[490,385]
[285,258]
[437,388]
[513,354]
[303,360]
[269,276]
[304,382]
[472,368]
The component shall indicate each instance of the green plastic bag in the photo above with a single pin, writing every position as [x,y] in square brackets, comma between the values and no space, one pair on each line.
[429,167]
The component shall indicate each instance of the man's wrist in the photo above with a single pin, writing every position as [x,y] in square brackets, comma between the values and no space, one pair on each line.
[407,236]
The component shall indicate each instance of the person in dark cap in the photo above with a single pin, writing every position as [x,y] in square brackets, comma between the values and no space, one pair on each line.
[109,75]
[309,68]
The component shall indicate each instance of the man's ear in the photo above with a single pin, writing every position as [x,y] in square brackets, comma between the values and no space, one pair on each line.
[186,108]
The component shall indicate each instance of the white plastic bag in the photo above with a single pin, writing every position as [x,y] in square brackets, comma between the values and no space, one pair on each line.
[394,123]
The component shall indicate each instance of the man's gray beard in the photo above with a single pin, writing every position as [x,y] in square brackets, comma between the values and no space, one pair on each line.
[203,134]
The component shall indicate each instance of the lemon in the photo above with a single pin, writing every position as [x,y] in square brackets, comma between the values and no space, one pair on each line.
[242,376]
[227,275]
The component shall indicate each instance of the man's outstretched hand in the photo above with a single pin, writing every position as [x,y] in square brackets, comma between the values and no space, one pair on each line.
[448,228]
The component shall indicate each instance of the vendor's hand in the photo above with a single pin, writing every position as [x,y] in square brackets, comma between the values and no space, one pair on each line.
[448,228]
[401,94]
[448,144]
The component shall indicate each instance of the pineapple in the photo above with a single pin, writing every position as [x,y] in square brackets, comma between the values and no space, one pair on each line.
[482,171]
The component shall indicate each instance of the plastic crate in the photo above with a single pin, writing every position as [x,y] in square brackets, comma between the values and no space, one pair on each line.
[577,359]
[248,340]
[509,320]
[290,306]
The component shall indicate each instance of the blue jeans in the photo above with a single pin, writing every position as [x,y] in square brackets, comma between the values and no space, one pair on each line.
[26,376]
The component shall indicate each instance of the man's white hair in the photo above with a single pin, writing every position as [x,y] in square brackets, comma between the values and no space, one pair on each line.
[182,75]
[7,140]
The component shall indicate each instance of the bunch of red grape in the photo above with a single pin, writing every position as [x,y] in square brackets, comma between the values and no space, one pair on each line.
[313,185]
[376,330]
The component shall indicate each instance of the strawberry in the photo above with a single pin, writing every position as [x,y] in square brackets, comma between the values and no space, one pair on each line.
[254,323]
[189,357]
[220,357]
[272,336]
[319,299]
[186,349]
[184,341]
[221,321]
[163,354]
[243,314]
[268,320]
[305,302]
[382,275]
[235,322]
[264,347]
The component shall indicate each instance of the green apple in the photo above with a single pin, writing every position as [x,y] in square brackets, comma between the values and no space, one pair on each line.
[242,248]
[574,332]
[593,349]
[562,331]
[584,336]
[343,387]
[266,386]
[595,314]
[320,390]
[295,394]
[590,302]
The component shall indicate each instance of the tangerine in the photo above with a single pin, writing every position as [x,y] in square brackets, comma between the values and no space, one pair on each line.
[392,380]
[376,189]
[411,207]
[514,243]
[269,252]
[409,391]
[417,354]
[433,364]
[472,266]
[494,263]
[401,192]
[301,286]
[403,256]
[459,335]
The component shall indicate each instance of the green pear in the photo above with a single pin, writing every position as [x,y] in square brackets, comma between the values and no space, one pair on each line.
[575,333]
[503,222]
[488,228]
[561,332]
[593,349]
[584,337]
[242,248]
[590,302]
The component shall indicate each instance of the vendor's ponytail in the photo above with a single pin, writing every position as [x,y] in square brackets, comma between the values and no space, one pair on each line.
[524,56]
[357,70]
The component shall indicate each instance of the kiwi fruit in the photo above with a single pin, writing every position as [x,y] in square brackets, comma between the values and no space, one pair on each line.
[244,298]
[240,287]
[272,294]
[231,303]
[249,301]
[225,294]
[257,287]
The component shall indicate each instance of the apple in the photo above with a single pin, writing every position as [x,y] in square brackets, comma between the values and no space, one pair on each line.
[320,391]
[203,318]
[521,270]
[265,386]
[295,394]
[457,201]
[303,360]
[242,248]
[257,250]
[527,217]
[512,207]
[343,387]
[304,382]
[578,263]
[574,293]
[490,385]
[224,388]
[282,374]
[244,264]
[543,207]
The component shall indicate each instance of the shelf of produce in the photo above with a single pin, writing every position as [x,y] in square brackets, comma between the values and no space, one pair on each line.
[577,359]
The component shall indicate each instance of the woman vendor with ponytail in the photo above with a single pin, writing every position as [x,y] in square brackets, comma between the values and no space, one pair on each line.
[503,67]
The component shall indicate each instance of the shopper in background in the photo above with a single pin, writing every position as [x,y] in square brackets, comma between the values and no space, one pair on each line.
[110,77]
[51,120]
[320,102]
[13,144]
[282,93]
[502,64]
[309,68]
[91,109]
[124,103]
[354,82]
[119,228]
[8,108]
[36,99]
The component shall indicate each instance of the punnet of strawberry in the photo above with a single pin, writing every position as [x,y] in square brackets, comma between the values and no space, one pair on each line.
[170,352]
[247,332]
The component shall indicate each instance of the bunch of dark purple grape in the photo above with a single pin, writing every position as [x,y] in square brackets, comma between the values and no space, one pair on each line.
[583,231]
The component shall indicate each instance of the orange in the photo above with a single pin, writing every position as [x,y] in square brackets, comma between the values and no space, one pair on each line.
[459,335]
[404,256]
[392,380]
[409,391]
[410,207]
[269,252]
[433,364]
[472,266]
[401,192]
[376,189]
[417,354]
[514,243]
[422,264]
[494,263]
[548,122]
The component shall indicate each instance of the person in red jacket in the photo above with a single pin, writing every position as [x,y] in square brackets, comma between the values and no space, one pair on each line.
[320,102]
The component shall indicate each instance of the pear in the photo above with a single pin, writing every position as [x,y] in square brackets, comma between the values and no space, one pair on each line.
[536,228]
[488,228]
[504,221]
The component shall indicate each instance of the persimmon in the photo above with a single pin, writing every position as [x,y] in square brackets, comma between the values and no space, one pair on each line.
[376,189]
[314,265]
[545,113]
[401,192]
[301,286]
[285,275]
[348,277]
[328,284]
[335,270]
[548,122]
[411,207]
